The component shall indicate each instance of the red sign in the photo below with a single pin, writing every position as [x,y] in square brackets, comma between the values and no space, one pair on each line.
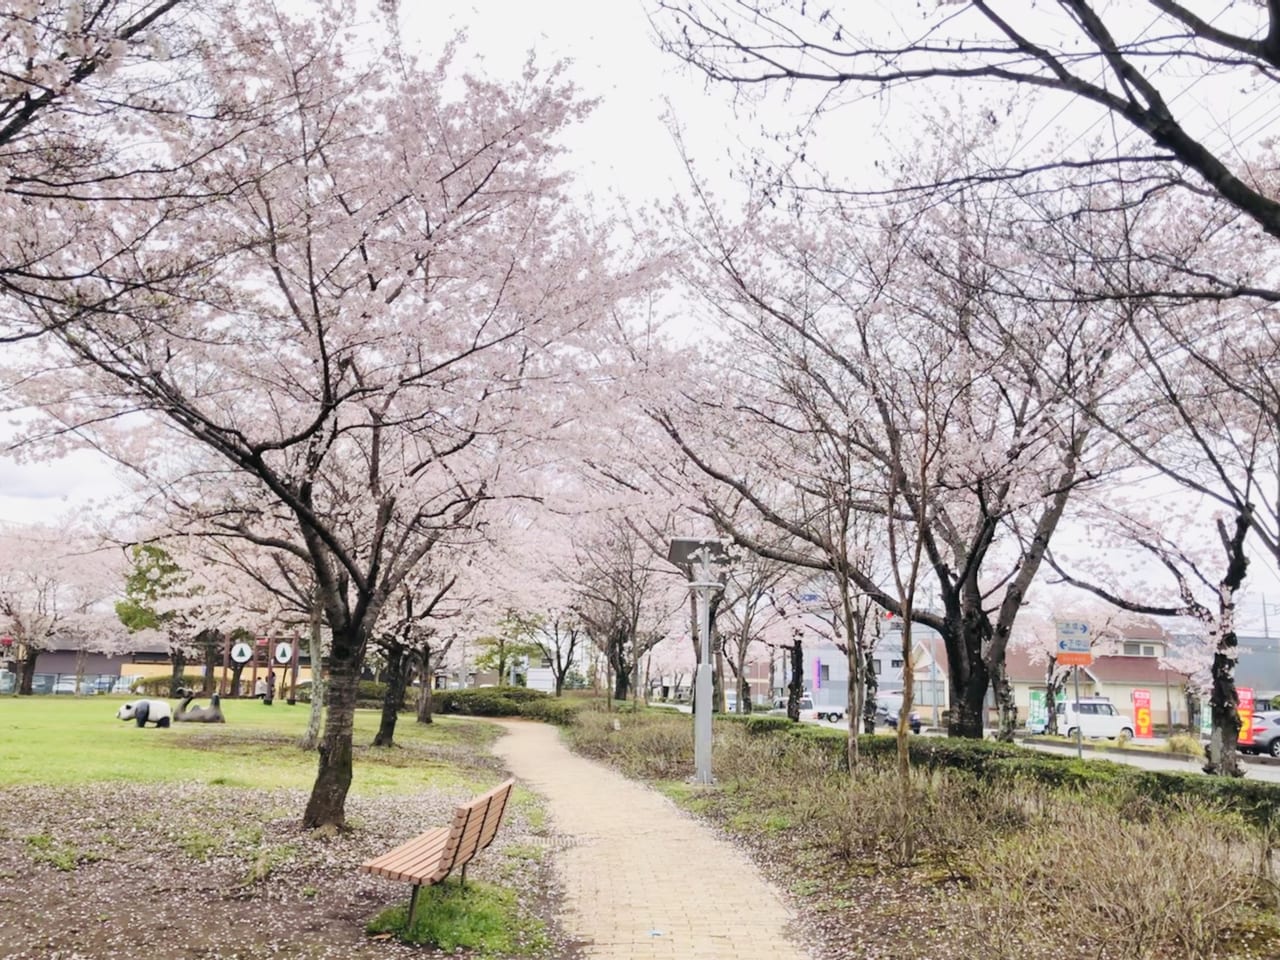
[1142,714]
[263,641]
[1075,659]
[1244,708]
[6,641]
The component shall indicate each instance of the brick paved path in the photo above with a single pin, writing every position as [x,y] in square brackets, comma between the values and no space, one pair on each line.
[642,879]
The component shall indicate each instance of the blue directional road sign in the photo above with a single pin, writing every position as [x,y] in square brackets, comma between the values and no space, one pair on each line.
[1073,636]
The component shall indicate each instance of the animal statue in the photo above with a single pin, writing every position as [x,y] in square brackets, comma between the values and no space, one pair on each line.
[146,711]
[210,714]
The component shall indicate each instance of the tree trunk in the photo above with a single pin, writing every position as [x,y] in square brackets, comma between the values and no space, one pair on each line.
[869,698]
[319,687]
[179,658]
[968,693]
[426,699]
[853,696]
[1051,689]
[211,642]
[397,680]
[1004,700]
[28,672]
[620,686]
[968,704]
[326,807]
[795,689]
[717,679]
[1223,758]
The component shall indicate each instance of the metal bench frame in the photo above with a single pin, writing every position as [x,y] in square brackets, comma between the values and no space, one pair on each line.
[430,857]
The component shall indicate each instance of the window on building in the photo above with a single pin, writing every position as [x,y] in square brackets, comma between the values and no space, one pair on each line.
[824,672]
[1134,649]
[875,667]
[896,664]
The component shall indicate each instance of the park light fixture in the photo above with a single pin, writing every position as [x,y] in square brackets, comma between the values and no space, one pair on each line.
[705,562]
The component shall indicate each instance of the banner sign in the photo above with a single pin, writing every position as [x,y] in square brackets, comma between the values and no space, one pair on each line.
[1143,727]
[1244,708]
[817,673]
[1037,712]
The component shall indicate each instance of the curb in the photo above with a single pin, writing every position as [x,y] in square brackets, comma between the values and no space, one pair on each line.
[1103,751]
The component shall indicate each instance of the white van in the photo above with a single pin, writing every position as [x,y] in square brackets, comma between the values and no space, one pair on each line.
[1093,717]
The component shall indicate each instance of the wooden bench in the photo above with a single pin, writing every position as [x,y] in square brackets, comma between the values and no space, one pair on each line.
[431,857]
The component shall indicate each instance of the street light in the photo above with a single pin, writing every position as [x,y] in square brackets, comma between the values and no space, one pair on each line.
[705,564]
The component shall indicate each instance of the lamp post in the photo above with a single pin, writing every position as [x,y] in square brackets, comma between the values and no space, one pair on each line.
[703,562]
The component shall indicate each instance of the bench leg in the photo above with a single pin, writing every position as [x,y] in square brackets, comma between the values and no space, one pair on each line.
[413,905]
[464,874]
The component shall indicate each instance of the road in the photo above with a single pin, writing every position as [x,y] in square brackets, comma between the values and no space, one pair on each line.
[1252,771]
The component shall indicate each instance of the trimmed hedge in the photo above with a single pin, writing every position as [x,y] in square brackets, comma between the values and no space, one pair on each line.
[486,701]
[161,685]
[555,711]
[369,694]
[509,702]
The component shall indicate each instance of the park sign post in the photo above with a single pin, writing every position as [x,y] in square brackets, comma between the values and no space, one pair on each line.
[1073,651]
[1074,644]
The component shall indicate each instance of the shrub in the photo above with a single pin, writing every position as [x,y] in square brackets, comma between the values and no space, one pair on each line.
[481,703]
[1100,883]
[465,701]
[759,726]
[160,686]
[551,710]
[1185,745]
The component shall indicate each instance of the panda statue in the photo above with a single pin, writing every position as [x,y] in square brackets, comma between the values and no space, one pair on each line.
[146,711]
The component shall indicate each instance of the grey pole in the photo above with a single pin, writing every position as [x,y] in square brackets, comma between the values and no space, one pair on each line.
[933,676]
[697,557]
[702,688]
[1079,741]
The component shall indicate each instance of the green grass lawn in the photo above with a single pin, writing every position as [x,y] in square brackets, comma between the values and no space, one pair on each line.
[68,740]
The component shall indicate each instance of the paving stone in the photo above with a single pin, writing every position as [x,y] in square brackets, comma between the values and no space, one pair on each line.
[634,863]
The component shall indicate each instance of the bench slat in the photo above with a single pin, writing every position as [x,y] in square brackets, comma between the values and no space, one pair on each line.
[418,857]
[433,855]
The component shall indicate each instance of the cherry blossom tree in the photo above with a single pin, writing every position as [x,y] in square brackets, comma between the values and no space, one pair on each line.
[1119,63]
[558,638]
[626,600]
[874,355]
[107,121]
[393,274]
[56,585]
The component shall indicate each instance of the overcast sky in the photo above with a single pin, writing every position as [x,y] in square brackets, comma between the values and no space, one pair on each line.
[624,149]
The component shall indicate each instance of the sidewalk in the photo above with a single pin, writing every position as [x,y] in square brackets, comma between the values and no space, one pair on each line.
[642,879]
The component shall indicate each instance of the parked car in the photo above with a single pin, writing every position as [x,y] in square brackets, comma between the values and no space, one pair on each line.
[68,685]
[1265,734]
[1094,717]
[807,710]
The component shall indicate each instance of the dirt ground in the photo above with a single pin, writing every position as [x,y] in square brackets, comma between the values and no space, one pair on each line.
[202,872]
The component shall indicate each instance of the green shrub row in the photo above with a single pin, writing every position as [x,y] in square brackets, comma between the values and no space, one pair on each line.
[160,686]
[508,702]
[1258,801]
